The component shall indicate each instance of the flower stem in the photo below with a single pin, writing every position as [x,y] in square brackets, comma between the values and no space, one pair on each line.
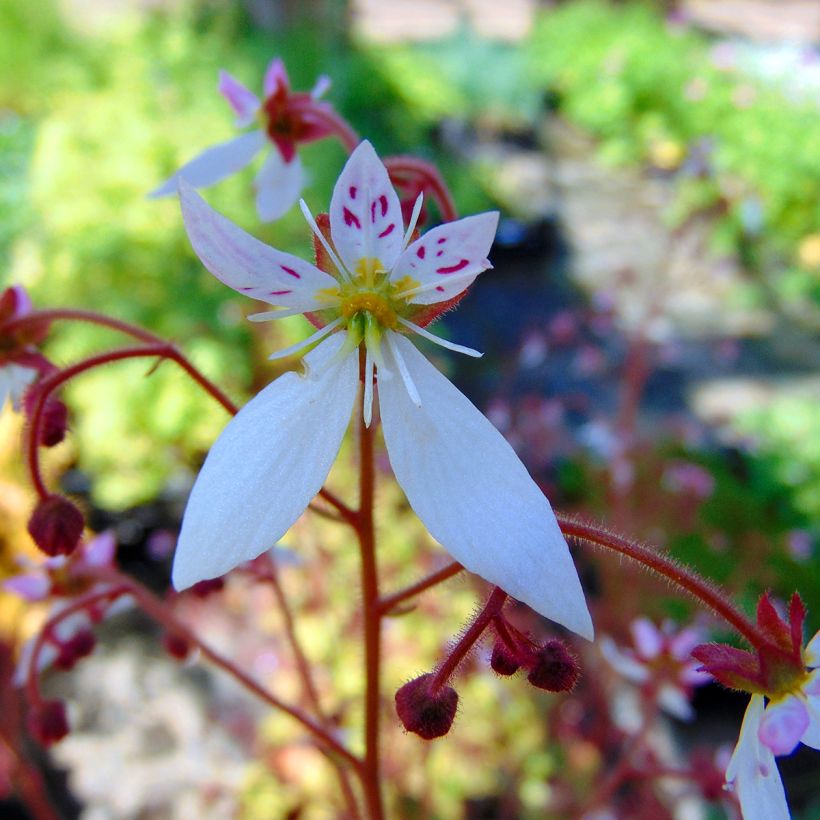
[371,774]
[391,602]
[491,609]
[327,116]
[681,576]
[433,181]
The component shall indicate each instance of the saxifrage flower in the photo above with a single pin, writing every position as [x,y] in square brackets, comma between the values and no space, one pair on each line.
[460,476]
[285,119]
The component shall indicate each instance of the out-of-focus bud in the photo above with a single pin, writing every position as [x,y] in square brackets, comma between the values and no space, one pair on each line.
[53,423]
[424,711]
[56,525]
[553,667]
[79,646]
[48,722]
[176,646]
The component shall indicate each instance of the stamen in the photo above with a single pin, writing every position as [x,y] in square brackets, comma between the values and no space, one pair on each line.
[270,315]
[299,346]
[321,237]
[405,373]
[367,405]
[414,217]
[445,280]
[467,351]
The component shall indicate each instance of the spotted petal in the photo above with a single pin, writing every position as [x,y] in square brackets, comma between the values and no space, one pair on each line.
[446,260]
[365,214]
[244,102]
[783,724]
[267,465]
[278,185]
[246,264]
[215,164]
[472,492]
[752,771]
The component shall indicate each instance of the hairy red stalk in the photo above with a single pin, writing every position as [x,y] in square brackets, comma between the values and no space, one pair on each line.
[433,181]
[465,643]
[322,113]
[681,576]
[391,602]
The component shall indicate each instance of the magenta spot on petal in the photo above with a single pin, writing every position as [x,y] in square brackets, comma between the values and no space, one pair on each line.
[246,289]
[387,230]
[352,191]
[291,271]
[351,219]
[383,203]
[373,212]
[279,292]
[420,252]
[453,268]
[439,287]
[439,253]
[441,240]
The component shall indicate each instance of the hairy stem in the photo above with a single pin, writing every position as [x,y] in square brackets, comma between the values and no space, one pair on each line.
[390,602]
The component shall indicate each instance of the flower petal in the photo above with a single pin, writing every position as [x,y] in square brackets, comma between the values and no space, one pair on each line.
[812,651]
[276,78]
[365,214]
[244,102]
[783,724]
[13,383]
[811,737]
[647,637]
[100,551]
[246,264]
[752,771]
[29,587]
[623,663]
[266,466]
[675,702]
[473,494]
[215,163]
[278,185]
[446,256]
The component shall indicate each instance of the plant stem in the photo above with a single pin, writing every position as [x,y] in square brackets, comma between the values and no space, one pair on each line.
[681,576]
[390,602]
[433,180]
[371,774]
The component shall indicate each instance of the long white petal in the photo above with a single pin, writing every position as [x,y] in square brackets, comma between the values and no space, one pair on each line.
[811,737]
[753,773]
[474,495]
[278,185]
[267,465]
[365,214]
[448,257]
[216,163]
[247,265]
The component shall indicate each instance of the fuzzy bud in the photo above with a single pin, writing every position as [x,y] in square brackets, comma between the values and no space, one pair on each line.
[504,660]
[75,649]
[56,526]
[54,423]
[48,722]
[176,646]
[554,668]
[425,712]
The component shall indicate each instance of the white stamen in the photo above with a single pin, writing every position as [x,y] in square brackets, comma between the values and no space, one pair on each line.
[467,351]
[321,87]
[414,217]
[367,406]
[443,282]
[405,373]
[321,237]
[299,346]
[270,315]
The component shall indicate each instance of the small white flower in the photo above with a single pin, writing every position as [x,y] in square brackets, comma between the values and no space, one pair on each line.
[770,729]
[459,474]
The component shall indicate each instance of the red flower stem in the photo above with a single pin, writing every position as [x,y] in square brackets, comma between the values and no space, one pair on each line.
[371,773]
[681,576]
[327,116]
[433,181]
[390,602]
[29,784]
[491,609]
[72,314]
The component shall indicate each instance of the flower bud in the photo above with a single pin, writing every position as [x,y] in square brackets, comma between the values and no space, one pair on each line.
[504,660]
[48,722]
[176,646]
[56,525]
[553,668]
[75,648]
[426,712]
[54,423]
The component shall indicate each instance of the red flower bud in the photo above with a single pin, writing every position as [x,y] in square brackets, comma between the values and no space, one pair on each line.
[54,423]
[176,646]
[76,648]
[56,525]
[425,712]
[504,660]
[554,668]
[48,722]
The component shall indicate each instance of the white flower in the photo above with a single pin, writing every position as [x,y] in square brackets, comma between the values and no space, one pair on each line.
[459,474]
[286,119]
[14,379]
[775,728]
